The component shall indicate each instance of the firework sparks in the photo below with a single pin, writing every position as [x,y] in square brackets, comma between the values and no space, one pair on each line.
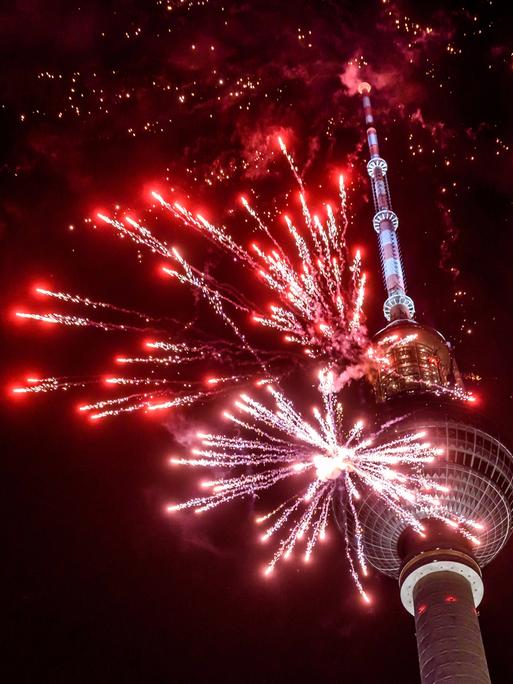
[36,385]
[317,308]
[279,444]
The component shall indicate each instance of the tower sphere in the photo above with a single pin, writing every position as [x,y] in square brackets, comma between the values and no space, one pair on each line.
[474,466]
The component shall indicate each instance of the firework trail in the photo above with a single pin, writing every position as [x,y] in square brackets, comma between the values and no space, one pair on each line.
[278,444]
[317,296]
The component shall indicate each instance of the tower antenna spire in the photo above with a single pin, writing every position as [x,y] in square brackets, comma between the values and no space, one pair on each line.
[385,222]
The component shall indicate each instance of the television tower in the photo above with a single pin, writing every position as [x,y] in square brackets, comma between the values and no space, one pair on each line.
[440,575]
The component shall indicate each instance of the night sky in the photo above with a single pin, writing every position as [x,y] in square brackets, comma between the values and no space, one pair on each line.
[101,101]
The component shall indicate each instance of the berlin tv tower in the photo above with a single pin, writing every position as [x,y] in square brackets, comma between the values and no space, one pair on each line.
[440,575]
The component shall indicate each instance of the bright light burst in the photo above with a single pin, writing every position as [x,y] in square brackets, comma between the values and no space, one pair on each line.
[316,309]
[317,296]
[279,444]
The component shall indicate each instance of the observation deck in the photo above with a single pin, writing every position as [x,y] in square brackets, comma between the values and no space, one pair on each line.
[475,466]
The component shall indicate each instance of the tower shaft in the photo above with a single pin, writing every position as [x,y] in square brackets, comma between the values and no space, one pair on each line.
[398,305]
[442,588]
[449,640]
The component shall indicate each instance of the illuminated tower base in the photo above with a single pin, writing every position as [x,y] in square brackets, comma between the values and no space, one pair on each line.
[442,589]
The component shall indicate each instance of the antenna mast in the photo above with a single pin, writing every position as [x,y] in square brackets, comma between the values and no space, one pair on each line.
[385,222]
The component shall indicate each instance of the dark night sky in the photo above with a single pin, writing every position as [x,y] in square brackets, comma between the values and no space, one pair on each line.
[99,100]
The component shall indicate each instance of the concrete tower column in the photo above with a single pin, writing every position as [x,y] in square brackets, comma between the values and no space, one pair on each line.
[442,589]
